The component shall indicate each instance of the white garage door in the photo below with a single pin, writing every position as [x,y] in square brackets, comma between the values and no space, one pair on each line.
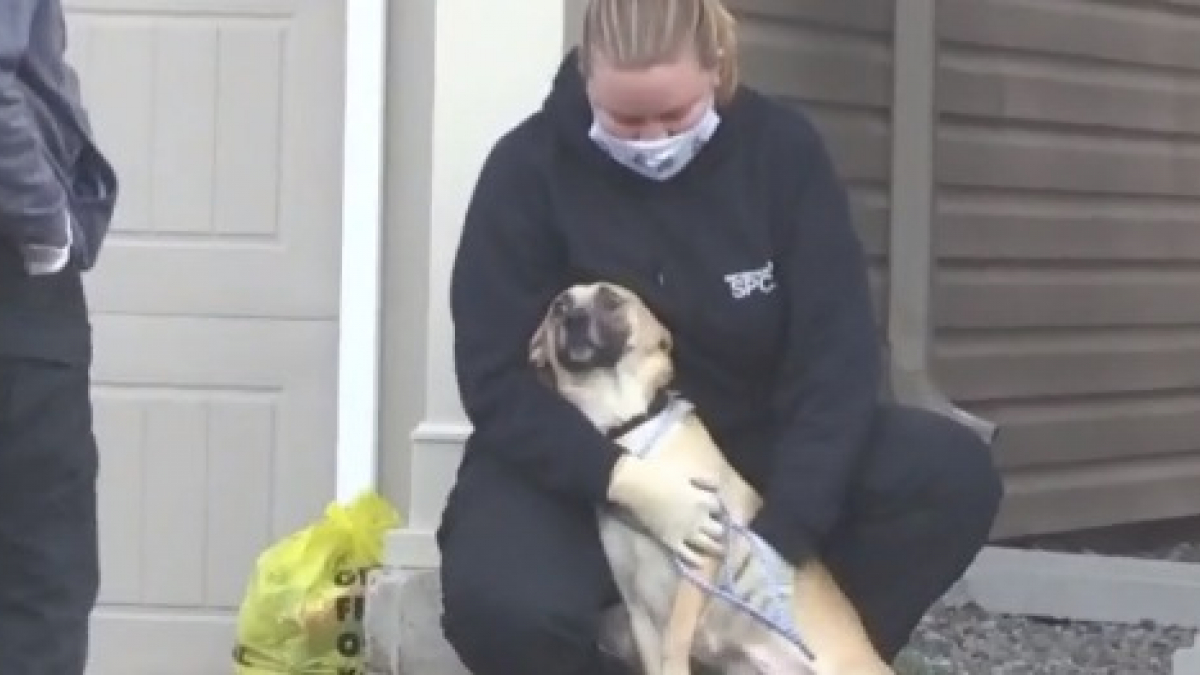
[215,306]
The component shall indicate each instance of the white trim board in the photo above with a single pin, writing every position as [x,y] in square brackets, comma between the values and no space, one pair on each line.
[362,217]
[465,34]
[437,450]
[1084,587]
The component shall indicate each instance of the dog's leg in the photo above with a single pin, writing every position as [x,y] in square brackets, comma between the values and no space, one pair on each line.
[830,625]
[770,654]
[680,632]
[648,641]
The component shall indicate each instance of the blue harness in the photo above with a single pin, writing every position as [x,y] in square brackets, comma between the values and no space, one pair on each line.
[642,440]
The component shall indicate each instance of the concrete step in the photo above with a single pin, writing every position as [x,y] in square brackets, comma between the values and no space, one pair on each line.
[403,625]
[403,628]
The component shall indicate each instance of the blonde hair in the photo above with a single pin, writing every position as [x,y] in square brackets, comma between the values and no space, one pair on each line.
[644,33]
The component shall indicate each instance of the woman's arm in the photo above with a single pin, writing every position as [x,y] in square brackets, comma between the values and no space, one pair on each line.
[828,387]
[509,265]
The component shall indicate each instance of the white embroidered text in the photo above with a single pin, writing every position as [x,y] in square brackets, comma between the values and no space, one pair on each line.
[761,280]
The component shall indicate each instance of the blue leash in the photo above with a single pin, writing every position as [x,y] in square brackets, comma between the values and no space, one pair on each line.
[778,617]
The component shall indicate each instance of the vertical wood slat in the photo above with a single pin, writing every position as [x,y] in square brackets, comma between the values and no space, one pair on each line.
[914,130]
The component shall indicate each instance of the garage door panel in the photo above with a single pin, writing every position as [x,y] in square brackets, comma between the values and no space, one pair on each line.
[214,305]
[218,117]
[173,279]
[204,467]
[186,537]
[197,99]
[183,642]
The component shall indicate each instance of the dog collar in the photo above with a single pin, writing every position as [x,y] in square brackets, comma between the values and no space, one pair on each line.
[658,404]
[641,434]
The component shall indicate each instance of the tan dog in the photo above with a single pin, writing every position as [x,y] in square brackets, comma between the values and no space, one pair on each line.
[602,349]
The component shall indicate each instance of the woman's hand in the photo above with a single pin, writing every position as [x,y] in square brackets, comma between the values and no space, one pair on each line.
[683,512]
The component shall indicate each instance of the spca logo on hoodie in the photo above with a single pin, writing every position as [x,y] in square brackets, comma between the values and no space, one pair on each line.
[747,282]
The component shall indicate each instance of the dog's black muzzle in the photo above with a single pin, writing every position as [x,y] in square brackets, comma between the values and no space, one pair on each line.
[587,343]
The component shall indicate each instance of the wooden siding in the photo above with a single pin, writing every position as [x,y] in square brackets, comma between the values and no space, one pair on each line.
[1067,232]
[1068,166]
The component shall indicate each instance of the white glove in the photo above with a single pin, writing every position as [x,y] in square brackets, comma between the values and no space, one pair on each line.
[683,512]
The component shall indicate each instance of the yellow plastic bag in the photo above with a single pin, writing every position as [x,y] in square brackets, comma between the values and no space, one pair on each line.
[303,609]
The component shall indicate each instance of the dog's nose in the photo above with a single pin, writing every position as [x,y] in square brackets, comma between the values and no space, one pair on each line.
[575,320]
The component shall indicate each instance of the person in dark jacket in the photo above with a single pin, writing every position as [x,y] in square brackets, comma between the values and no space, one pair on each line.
[651,166]
[57,194]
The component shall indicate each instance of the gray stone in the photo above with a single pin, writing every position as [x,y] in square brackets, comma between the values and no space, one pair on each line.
[1085,587]
[402,625]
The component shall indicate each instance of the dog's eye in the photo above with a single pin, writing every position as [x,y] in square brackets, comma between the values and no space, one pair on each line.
[559,306]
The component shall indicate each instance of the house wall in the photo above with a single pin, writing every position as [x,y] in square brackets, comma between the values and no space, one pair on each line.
[1066,177]
[1064,174]
[1068,181]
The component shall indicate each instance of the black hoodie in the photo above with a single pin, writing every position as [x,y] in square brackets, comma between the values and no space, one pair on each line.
[747,255]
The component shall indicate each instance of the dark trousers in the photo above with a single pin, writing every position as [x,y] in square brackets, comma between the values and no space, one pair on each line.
[49,568]
[525,580]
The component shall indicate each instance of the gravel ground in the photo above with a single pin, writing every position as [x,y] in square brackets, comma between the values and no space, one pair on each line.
[969,641]
[966,640]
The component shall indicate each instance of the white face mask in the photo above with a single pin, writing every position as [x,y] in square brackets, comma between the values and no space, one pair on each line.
[661,158]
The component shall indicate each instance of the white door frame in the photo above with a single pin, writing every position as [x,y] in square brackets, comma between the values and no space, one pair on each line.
[359,316]
[466,36]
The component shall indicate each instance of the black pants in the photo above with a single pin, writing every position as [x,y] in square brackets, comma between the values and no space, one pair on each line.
[525,579]
[49,568]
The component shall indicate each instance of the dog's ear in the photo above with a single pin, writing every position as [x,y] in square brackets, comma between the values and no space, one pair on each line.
[652,343]
[650,333]
[545,374]
[539,355]
[653,334]
[665,340]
